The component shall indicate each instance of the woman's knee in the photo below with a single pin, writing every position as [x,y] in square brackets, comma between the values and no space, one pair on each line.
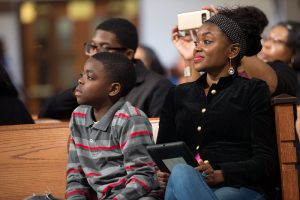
[180,169]
[181,173]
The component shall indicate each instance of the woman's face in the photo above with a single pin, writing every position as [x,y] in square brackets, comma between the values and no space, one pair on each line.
[274,46]
[211,52]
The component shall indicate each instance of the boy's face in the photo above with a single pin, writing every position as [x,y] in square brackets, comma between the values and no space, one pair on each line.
[93,86]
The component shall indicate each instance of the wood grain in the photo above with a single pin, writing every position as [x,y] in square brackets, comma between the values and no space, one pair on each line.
[285,132]
[33,159]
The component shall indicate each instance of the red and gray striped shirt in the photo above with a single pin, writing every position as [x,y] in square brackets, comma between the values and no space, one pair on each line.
[110,156]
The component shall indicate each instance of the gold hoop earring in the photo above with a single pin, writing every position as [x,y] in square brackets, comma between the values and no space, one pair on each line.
[231,69]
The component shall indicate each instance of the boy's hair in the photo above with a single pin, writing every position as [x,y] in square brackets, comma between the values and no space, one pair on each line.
[118,69]
[124,30]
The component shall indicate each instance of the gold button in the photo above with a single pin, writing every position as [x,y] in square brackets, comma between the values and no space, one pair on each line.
[199,128]
[213,92]
[197,147]
[203,110]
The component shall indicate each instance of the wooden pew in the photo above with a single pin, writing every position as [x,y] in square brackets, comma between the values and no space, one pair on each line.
[285,132]
[33,159]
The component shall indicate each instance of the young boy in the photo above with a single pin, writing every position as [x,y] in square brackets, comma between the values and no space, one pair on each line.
[109,136]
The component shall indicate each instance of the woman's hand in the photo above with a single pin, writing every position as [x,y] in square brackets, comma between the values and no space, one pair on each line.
[211,176]
[163,178]
[206,171]
[210,8]
[184,44]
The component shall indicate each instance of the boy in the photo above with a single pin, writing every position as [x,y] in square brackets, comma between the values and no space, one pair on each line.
[109,136]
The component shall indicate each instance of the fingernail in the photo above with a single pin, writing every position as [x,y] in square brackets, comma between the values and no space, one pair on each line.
[203,174]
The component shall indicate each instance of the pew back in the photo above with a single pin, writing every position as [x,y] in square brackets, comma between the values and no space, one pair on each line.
[33,159]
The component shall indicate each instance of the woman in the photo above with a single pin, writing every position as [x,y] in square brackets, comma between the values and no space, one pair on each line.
[283,45]
[225,119]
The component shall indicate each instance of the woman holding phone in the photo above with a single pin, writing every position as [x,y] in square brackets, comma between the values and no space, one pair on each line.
[224,118]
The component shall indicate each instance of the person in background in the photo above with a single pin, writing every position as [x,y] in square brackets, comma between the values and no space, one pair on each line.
[176,74]
[12,109]
[224,118]
[107,152]
[283,45]
[119,36]
[276,72]
[150,59]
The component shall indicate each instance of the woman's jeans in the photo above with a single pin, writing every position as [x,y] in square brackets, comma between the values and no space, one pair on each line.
[187,183]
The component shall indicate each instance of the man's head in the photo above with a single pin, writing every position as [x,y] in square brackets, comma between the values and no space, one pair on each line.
[106,77]
[114,35]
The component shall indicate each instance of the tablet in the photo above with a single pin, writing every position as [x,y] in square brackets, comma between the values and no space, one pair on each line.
[167,155]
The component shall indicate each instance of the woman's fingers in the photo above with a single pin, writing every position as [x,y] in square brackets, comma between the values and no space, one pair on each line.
[210,8]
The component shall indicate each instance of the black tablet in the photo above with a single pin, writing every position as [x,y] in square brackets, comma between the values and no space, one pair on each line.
[167,155]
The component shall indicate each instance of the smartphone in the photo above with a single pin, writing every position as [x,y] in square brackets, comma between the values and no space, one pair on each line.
[192,20]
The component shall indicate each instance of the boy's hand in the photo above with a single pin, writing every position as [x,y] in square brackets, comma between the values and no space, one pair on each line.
[163,179]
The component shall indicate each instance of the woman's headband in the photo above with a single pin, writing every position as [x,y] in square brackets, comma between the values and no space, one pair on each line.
[231,29]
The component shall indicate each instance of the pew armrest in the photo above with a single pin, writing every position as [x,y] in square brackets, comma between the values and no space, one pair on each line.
[285,134]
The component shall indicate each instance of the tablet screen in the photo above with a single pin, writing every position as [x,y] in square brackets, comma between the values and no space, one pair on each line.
[171,162]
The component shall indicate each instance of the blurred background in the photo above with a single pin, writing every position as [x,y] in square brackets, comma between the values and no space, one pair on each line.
[41,41]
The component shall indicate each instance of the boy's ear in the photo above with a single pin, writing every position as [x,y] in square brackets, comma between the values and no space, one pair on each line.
[115,89]
[234,50]
[129,53]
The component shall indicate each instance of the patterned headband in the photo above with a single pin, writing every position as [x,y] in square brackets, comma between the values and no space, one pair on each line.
[231,29]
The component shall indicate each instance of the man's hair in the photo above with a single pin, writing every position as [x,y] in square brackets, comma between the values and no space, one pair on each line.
[124,30]
[118,69]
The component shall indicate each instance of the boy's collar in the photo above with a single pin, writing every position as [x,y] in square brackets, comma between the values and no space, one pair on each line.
[105,121]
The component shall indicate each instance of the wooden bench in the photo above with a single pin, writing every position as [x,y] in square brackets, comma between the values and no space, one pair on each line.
[33,159]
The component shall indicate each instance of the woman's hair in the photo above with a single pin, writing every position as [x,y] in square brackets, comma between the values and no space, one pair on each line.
[6,85]
[293,41]
[240,25]
[153,60]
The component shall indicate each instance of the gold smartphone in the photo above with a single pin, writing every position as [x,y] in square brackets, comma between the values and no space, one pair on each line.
[192,20]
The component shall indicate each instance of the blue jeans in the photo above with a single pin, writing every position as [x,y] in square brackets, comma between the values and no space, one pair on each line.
[187,183]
